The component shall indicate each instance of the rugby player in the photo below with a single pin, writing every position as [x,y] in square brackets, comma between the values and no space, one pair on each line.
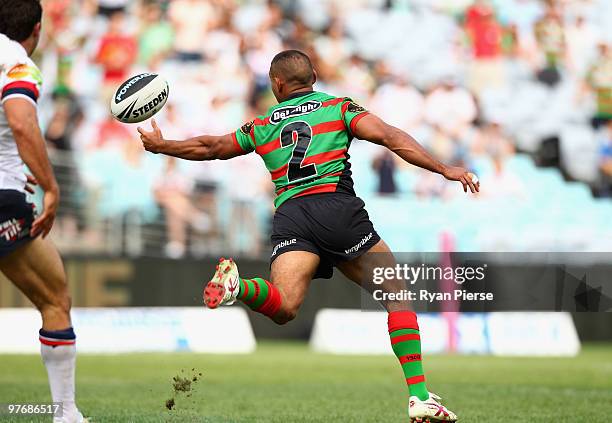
[319,222]
[27,256]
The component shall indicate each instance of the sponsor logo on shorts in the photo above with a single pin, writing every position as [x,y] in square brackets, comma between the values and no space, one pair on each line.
[12,229]
[287,112]
[283,244]
[361,243]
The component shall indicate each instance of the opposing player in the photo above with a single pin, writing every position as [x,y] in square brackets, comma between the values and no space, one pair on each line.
[319,221]
[27,256]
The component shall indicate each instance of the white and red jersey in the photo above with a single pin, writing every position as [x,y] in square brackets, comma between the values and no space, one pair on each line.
[19,78]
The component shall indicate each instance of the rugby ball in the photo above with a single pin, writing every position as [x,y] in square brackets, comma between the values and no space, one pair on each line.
[139,98]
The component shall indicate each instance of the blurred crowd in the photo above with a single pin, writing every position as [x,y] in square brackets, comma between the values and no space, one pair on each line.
[459,75]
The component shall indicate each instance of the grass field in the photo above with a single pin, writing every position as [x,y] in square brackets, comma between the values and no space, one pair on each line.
[287,383]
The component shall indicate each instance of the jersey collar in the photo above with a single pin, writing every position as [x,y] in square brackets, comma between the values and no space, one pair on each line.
[17,45]
[296,95]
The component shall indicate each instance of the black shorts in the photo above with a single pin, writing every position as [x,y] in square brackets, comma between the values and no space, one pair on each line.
[335,226]
[16,217]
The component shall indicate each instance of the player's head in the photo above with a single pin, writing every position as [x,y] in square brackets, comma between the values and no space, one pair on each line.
[291,71]
[20,21]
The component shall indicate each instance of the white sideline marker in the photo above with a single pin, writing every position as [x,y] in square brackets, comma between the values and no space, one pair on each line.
[138,329]
[342,331]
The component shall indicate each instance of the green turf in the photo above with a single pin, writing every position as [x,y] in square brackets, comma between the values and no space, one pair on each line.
[288,383]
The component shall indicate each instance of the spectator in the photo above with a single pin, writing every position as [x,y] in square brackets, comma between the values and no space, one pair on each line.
[116,53]
[446,147]
[58,17]
[357,81]
[223,43]
[399,103]
[261,49]
[173,193]
[550,36]
[124,171]
[503,183]
[175,127]
[605,162]
[110,134]
[334,47]
[581,45]
[67,116]
[108,8]
[384,165]
[246,230]
[156,36]
[485,34]
[191,20]
[493,142]
[494,145]
[599,80]
[450,108]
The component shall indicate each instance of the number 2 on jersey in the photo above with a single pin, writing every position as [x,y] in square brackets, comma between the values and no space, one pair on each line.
[300,134]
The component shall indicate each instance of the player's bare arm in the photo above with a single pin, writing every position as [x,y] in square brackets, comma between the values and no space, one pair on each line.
[374,129]
[22,118]
[203,147]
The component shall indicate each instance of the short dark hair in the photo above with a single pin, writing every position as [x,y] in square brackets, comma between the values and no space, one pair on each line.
[294,67]
[19,17]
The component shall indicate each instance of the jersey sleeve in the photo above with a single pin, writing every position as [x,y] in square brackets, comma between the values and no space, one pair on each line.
[244,138]
[21,80]
[352,113]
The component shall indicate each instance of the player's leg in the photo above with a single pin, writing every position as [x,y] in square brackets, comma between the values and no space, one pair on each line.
[403,331]
[295,261]
[37,270]
[291,274]
[279,299]
[359,270]
[403,326]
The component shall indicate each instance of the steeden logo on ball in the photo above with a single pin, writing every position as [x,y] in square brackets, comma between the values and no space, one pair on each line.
[139,98]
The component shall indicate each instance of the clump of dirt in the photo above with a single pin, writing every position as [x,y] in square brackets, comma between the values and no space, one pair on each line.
[183,385]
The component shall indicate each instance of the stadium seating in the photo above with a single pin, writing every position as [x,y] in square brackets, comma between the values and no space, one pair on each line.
[565,216]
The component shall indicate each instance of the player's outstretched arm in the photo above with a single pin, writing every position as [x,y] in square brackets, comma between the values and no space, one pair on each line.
[22,118]
[374,129]
[204,147]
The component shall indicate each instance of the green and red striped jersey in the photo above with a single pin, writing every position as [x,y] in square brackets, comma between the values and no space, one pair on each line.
[304,143]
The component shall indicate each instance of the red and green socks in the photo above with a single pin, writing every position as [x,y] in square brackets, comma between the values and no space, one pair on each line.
[260,296]
[406,343]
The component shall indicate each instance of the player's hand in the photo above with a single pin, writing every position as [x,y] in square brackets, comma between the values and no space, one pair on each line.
[30,183]
[467,179]
[44,222]
[151,141]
